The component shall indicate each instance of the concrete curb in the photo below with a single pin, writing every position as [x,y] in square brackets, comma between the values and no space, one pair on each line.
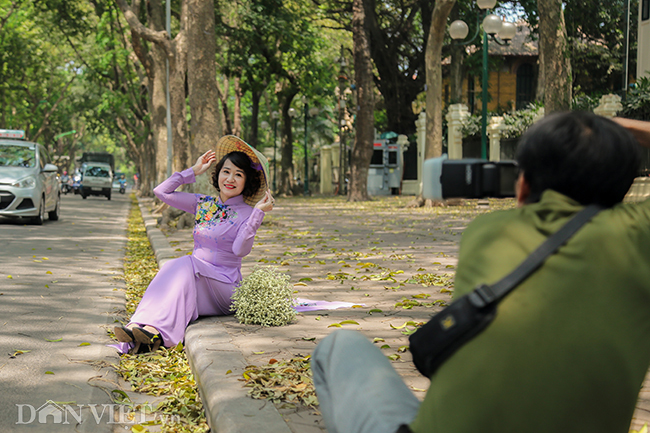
[161,248]
[217,364]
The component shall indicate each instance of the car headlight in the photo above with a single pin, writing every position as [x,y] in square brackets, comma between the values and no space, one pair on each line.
[25,182]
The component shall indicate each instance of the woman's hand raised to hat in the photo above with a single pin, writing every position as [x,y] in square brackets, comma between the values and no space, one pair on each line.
[266,203]
[204,162]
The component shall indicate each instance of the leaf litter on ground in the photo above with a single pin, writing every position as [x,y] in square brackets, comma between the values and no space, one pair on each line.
[165,372]
[286,381]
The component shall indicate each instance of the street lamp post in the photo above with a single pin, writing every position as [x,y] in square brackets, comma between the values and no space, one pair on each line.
[492,25]
[274,116]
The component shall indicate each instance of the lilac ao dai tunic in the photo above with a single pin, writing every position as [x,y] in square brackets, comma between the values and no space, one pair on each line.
[200,284]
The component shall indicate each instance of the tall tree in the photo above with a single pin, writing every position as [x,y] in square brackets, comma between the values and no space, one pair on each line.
[596,32]
[119,81]
[365,132]
[201,76]
[433,62]
[36,72]
[556,65]
[276,41]
[398,30]
[175,52]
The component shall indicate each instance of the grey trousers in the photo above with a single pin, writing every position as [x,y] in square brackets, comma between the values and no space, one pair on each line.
[358,390]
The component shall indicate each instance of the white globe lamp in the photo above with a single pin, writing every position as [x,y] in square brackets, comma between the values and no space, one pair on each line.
[508,31]
[492,24]
[458,30]
[486,4]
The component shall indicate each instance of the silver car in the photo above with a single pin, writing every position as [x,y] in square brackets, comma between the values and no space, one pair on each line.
[29,184]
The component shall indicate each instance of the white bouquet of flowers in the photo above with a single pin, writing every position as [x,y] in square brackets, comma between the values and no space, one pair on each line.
[265,297]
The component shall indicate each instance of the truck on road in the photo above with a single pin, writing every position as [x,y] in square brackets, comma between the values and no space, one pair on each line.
[97,170]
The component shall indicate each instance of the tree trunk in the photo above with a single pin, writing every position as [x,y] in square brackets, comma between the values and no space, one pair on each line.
[541,83]
[159,113]
[236,128]
[204,98]
[158,108]
[253,138]
[456,75]
[365,131]
[223,91]
[433,64]
[178,97]
[285,186]
[557,63]
[153,163]
[147,178]
[400,79]
[456,67]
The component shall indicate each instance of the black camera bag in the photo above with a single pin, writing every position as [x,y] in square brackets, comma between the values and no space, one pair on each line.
[466,317]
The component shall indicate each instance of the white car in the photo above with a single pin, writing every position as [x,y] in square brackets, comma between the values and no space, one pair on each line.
[96,179]
[29,184]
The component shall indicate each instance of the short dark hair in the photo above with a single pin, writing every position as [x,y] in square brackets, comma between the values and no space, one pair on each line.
[241,160]
[586,157]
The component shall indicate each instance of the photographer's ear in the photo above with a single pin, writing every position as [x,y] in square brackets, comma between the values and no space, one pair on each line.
[522,189]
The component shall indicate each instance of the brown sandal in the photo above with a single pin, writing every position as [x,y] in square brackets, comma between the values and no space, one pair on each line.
[142,336]
[123,334]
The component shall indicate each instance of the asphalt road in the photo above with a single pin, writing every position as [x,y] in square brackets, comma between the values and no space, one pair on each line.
[61,285]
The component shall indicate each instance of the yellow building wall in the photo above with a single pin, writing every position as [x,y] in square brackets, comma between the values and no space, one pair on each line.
[502,89]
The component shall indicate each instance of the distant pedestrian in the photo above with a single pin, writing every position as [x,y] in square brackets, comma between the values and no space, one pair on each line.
[569,348]
[201,284]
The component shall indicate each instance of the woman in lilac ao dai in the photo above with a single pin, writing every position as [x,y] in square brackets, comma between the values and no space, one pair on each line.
[200,284]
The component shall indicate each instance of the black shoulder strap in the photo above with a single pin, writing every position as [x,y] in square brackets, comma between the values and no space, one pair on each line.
[485,295]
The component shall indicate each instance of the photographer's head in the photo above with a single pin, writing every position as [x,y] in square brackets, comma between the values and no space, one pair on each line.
[586,157]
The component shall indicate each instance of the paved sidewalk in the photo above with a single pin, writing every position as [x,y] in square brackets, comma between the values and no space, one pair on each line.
[374,255]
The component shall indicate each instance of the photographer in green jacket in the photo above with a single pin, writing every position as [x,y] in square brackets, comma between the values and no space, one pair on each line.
[570,346]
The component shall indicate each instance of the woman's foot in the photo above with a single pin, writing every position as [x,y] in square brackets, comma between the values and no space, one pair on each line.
[147,335]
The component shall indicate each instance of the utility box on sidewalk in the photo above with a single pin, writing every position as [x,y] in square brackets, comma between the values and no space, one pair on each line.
[386,167]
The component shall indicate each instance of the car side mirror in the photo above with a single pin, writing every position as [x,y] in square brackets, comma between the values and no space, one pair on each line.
[49,168]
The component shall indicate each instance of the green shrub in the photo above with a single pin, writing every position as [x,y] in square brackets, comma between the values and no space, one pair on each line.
[637,102]
[264,298]
[516,122]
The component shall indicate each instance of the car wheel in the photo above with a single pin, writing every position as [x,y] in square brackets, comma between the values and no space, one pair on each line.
[38,220]
[108,196]
[54,215]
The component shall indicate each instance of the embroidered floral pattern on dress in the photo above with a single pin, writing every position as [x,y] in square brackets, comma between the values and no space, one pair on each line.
[209,212]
